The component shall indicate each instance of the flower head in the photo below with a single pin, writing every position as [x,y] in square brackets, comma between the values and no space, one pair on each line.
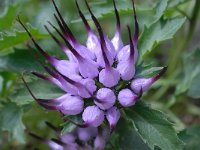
[93,71]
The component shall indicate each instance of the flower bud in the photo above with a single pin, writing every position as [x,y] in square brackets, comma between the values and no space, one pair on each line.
[67,68]
[71,105]
[105,98]
[68,138]
[109,77]
[127,98]
[113,115]
[86,134]
[93,116]
[126,69]
[101,139]
[144,83]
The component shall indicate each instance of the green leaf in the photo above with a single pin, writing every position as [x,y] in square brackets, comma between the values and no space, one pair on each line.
[41,89]
[11,121]
[190,82]
[68,128]
[18,37]
[160,8]
[8,17]
[159,31]
[194,90]
[147,71]
[154,127]
[19,61]
[125,137]
[191,136]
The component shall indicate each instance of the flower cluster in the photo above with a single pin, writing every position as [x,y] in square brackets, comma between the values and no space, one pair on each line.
[94,72]
[78,139]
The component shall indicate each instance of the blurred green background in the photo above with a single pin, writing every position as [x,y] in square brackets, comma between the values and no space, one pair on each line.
[169,37]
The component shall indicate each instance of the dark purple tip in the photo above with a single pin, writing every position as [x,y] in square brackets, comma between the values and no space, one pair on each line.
[117,16]
[58,142]
[48,101]
[62,28]
[50,125]
[87,26]
[49,58]
[37,137]
[29,90]
[75,53]
[101,34]
[136,34]
[54,38]
[41,76]
[68,31]
[67,79]
[131,44]
[48,106]
[160,74]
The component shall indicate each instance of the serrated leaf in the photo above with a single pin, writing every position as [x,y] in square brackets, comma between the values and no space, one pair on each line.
[8,17]
[159,31]
[127,137]
[18,37]
[153,127]
[190,81]
[19,61]
[191,136]
[11,121]
[147,71]
[41,89]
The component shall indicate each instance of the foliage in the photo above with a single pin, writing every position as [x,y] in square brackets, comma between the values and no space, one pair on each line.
[166,27]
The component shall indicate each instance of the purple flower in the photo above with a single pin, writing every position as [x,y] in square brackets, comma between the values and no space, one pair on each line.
[86,134]
[113,115]
[127,98]
[144,83]
[94,71]
[105,98]
[101,139]
[93,116]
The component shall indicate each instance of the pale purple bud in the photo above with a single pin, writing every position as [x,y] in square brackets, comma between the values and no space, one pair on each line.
[101,139]
[83,51]
[144,83]
[70,56]
[88,68]
[105,98]
[93,116]
[71,105]
[67,68]
[86,134]
[93,43]
[117,41]
[127,98]
[110,47]
[68,138]
[126,69]
[99,143]
[89,84]
[109,77]
[113,115]
[124,54]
